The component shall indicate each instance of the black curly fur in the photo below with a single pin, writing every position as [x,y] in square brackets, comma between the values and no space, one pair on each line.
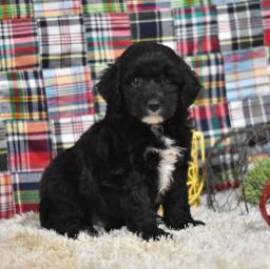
[107,177]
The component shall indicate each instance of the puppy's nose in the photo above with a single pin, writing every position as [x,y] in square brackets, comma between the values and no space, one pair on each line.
[153,105]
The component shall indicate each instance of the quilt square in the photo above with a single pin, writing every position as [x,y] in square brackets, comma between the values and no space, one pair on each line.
[153,26]
[55,8]
[147,5]
[240,25]
[62,42]
[103,6]
[212,120]
[26,191]
[249,112]
[69,92]
[196,30]
[100,105]
[30,146]
[67,131]
[246,74]
[18,44]
[3,148]
[7,207]
[10,9]
[220,2]
[108,35]
[22,96]
[210,69]
[189,3]
[265,6]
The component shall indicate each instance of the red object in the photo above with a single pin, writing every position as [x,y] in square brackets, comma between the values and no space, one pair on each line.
[263,201]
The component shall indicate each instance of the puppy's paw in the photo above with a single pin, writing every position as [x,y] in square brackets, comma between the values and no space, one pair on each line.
[151,156]
[91,231]
[71,232]
[156,235]
[184,224]
[197,222]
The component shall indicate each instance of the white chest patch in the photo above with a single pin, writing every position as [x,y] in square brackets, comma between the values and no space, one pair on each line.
[168,157]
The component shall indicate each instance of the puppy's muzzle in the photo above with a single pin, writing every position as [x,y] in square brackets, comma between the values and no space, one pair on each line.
[154,109]
[153,106]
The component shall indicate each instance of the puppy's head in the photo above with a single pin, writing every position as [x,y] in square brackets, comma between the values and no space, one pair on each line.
[149,82]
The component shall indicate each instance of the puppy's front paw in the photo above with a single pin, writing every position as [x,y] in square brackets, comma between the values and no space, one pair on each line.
[91,231]
[71,232]
[156,234]
[197,222]
[184,224]
[151,156]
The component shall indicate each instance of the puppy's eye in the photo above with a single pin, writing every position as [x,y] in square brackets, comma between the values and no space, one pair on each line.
[136,82]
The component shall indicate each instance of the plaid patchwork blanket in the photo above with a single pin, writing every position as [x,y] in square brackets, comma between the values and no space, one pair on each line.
[265,6]
[240,25]
[103,6]
[25,191]
[7,203]
[18,44]
[196,30]
[246,74]
[53,52]
[16,9]
[99,103]
[212,120]
[29,145]
[3,148]
[210,69]
[62,43]
[55,8]
[66,131]
[189,3]
[22,95]
[68,91]
[147,5]
[107,35]
[153,26]
[250,112]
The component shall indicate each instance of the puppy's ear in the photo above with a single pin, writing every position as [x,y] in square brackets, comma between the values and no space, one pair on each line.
[108,86]
[192,85]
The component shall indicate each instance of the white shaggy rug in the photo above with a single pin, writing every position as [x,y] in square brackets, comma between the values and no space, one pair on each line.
[228,241]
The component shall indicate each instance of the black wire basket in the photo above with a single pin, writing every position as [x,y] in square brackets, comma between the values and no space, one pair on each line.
[227,163]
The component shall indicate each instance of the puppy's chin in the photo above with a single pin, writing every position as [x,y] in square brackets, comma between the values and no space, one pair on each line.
[153,119]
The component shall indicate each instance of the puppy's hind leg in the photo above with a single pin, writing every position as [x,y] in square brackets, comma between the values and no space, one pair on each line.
[64,218]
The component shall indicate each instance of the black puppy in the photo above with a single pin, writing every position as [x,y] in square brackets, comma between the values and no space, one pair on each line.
[135,159]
